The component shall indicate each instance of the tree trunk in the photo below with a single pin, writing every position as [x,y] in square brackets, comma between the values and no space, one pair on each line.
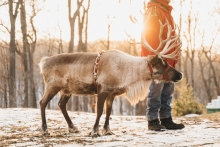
[192,69]
[80,28]
[28,50]
[87,23]
[71,42]
[85,104]
[12,48]
[141,108]
[33,99]
[25,56]
[76,103]
[121,106]
[70,104]
[214,73]
[5,104]
[92,103]
[72,23]
[207,88]
[83,24]
[179,67]
[108,38]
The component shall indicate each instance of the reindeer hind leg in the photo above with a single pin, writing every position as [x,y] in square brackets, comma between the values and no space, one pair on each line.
[49,93]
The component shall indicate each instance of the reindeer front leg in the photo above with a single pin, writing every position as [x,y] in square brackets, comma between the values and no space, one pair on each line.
[101,97]
[106,129]
[62,104]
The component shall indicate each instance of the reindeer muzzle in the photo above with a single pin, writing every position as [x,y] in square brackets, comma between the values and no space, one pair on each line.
[165,72]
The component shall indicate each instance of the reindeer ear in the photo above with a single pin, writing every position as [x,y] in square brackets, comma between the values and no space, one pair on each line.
[153,59]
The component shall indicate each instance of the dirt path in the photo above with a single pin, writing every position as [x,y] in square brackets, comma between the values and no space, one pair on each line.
[21,127]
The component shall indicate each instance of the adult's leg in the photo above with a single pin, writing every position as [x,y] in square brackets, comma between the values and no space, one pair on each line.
[154,100]
[166,98]
[153,106]
[165,110]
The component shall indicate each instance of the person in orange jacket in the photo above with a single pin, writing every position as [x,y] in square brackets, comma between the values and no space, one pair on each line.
[158,110]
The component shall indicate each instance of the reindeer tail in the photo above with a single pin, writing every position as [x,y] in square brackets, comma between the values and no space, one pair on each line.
[42,61]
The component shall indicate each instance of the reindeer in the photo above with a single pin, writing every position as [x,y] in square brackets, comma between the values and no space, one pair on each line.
[107,75]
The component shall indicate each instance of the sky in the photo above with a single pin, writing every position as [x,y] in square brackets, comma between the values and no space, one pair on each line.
[99,12]
[55,13]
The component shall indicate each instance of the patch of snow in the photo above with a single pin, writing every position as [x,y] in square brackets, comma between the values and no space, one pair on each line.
[22,127]
[192,115]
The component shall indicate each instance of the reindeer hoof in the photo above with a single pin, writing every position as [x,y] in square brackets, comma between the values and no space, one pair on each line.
[107,132]
[44,129]
[94,134]
[74,130]
[45,133]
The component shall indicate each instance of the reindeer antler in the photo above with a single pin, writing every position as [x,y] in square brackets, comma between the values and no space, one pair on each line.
[172,41]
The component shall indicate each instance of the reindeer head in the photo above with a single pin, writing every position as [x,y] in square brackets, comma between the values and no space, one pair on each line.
[160,69]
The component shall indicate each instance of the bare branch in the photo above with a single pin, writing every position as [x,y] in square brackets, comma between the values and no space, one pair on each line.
[133,19]
[16,9]
[8,30]
[131,40]
[103,43]
[4,3]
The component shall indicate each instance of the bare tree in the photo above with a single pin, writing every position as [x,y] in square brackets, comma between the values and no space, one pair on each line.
[202,72]
[12,47]
[81,13]
[26,54]
[132,45]
[72,19]
[60,41]
[32,46]
[29,45]
[190,36]
[82,17]
[180,28]
[4,65]
[107,44]
[210,75]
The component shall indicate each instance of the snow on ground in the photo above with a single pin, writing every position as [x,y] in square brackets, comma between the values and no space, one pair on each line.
[20,127]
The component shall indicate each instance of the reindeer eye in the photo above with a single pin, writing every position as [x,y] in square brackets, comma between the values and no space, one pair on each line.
[153,65]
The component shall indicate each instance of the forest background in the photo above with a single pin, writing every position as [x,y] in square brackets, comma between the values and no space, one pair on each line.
[31,29]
